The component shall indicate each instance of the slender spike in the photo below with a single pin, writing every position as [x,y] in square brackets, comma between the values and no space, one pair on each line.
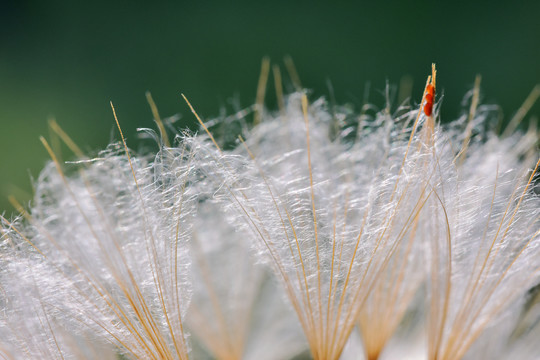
[522,111]
[291,69]
[55,141]
[279,90]
[472,113]
[201,123]
[261,90]
[157,119]
[66,139]
[126,150]
[314,209]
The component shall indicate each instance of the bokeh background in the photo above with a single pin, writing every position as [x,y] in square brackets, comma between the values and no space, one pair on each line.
[68,59]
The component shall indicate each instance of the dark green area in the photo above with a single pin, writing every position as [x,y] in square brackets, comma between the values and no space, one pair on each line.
[69,59]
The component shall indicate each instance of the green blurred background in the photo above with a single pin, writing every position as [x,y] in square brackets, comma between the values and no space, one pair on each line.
[68,59]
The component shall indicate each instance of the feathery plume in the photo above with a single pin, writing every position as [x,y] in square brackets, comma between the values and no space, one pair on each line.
[373,228]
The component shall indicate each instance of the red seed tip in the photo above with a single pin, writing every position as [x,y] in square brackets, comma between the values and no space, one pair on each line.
[430,95]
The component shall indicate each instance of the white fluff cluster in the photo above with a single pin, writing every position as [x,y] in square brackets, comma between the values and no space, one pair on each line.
[106,255]
[371,236]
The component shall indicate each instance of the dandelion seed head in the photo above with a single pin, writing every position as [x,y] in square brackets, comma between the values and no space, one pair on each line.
[383,232]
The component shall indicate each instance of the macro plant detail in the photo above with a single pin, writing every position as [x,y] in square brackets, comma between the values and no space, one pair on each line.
[312,229]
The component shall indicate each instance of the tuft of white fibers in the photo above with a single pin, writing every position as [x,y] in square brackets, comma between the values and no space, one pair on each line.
[335,220]
[484,262]
[31,324]
[482,237]
[115,231]
[378,235]
[237,310]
